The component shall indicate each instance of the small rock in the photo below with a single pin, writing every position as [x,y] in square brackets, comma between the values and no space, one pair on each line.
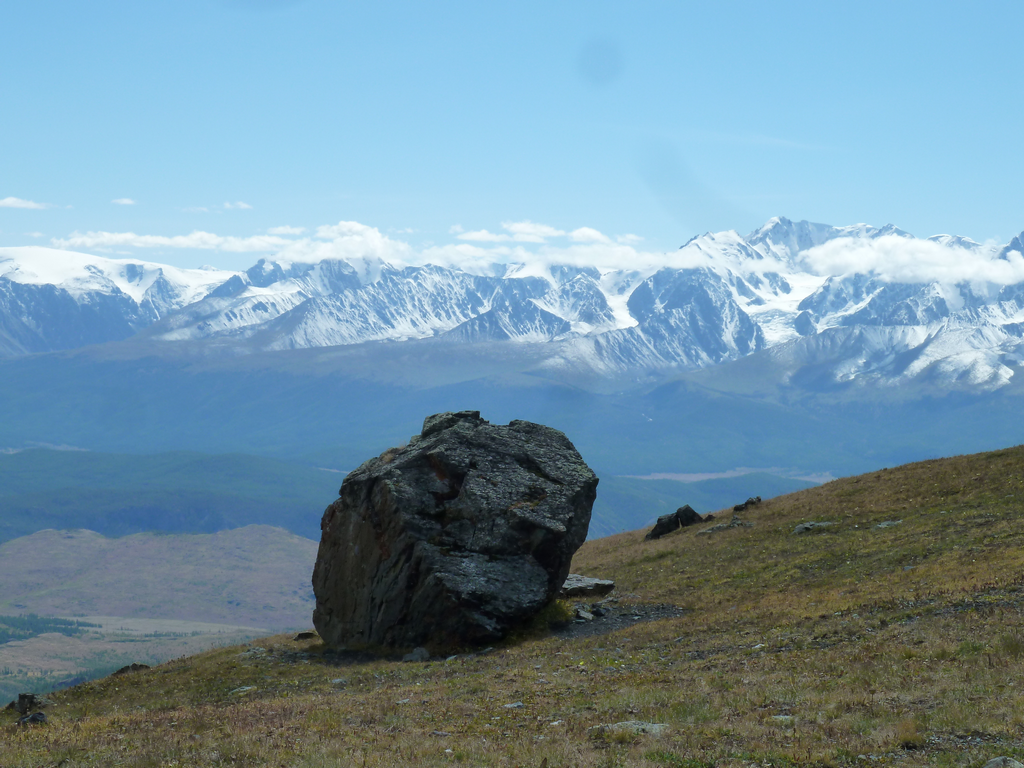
[403,701]
[340,682]
[440,733]
[665,524]
[889,524]
[36,718]
[133,667]
[713,529]
[243,690]
[27,702]
[805,527]
[750,502]
[1003,762]
[585,586]
[307,635]
[417,654]
[583,614]
[630,726]
[784,719]
[515,705]
[681,518]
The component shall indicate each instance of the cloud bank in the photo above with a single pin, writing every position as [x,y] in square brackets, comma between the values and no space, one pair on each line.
[206,241]
[908,260]
[537,247]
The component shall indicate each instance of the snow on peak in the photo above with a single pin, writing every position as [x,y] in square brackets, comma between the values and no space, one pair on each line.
[80,273]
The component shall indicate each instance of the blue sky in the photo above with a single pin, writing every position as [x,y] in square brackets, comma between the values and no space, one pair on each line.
[657,120]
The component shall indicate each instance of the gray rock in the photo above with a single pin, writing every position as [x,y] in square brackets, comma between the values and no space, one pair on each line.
[713,529]
[36,718]
[736,522]
[636,727]
[889,524]
[305,636]
[585,586]
[665,524]
[750,502]
[1003,762]
[133,667]
[27,702]
[681,518]
[417,654]
[583,614]
[455,539]
[807,527]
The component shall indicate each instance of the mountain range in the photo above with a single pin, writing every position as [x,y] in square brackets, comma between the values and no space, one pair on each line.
[856,304]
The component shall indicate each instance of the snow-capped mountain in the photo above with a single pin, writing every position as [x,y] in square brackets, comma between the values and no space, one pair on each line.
[857,303]
[52,299]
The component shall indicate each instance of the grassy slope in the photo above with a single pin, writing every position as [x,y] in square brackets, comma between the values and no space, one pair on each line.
[901,644]
[627,502]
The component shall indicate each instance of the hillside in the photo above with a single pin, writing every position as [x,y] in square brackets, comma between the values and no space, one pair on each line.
[892,636]
[256,576]
[144,598]
[171,492]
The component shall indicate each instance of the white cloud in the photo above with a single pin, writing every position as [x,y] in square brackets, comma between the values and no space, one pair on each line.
[17,202]
[904,260]
[588,235]
[455,229]
[286,230]
[196,209]
[34,234]
[239,206]
[628,239]
[530,232]
[123,201]
[199,240]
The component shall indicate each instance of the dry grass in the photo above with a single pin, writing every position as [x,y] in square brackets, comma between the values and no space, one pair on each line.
[849,645]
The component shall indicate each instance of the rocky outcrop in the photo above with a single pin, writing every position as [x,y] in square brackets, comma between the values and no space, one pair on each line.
[585,586]
[753,501]
[452,540]
[681,518]
[736,522]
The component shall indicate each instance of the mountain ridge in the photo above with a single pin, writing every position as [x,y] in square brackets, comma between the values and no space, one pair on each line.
[718,299]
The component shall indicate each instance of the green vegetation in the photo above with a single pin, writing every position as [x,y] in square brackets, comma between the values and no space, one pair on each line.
[851,645]
[189,492]
[177,492]
[30,625]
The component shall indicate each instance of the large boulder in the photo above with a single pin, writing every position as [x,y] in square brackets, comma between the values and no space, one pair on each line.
[452,540]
